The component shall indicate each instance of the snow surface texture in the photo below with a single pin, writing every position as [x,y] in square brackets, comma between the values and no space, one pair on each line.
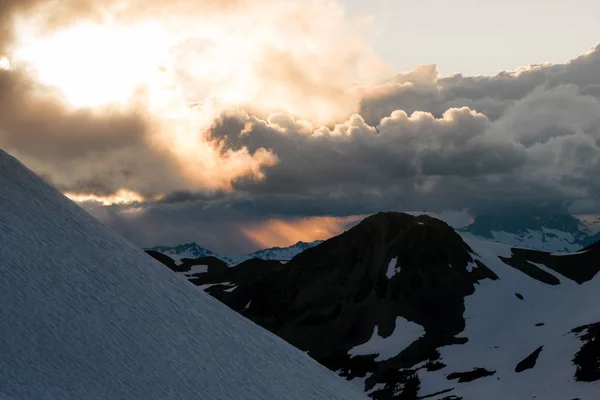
[192,250]
[86,315]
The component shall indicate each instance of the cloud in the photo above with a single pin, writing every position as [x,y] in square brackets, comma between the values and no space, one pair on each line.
[221,54]
[283,232]
[287,125]
[539,146]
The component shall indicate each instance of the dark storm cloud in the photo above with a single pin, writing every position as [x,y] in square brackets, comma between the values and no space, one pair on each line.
[524,140]
[214,227]
[540,146]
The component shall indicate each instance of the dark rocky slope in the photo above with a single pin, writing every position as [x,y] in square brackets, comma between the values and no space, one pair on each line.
[392,267]
[329,298]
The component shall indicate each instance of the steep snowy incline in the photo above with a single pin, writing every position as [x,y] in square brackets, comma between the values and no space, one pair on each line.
[86,315]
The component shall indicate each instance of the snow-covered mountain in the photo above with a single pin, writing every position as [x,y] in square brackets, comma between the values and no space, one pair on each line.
[189,250]
[406,308]
[192,250]
[554,233]
[86,315]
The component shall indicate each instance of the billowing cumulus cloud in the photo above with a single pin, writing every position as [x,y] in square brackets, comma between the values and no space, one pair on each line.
[74,111]
[275,118]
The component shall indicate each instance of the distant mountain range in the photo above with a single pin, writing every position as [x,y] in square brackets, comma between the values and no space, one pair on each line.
[405,307]
[554,233]
[192,250]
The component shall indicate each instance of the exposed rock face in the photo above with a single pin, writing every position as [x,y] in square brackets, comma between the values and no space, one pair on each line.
[213,264]
[328,299]
[588,358]
[529,361]
[384,304]
[471,375]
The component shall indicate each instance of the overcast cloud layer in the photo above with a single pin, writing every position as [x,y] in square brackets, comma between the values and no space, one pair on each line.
[522,140]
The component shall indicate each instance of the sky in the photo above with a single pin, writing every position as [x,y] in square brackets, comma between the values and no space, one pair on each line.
[504,34]
[242,124]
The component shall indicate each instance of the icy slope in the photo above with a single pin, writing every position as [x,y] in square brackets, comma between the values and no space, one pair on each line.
[85,315]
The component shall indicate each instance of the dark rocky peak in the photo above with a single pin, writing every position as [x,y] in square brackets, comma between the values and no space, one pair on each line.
[580,267]
[329,298]
[382,301]
[411,241]
[164,259]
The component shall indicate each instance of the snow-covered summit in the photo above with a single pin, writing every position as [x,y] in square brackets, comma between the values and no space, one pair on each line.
[283,253]
[192,250]
[86,315]
[188,250]
[554,233]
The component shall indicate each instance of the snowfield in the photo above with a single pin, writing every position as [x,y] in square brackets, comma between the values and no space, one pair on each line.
[86,315]
[404,334]
[503,330]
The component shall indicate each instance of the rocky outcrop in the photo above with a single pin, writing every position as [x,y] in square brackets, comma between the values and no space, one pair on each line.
[380,303]
[329,299]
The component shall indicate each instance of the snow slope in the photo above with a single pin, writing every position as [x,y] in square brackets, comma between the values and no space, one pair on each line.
[86,315]
[192,250]
[502,330]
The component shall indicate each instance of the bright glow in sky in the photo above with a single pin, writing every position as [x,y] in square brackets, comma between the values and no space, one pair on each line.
[479,36]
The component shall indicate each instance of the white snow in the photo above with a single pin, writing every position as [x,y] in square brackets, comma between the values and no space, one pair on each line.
[502,331]
[197,269]
[178,253]
[391,269]
[545,239]
[207,285]
[282,254]
[404,334]
[86,315]
[568,254]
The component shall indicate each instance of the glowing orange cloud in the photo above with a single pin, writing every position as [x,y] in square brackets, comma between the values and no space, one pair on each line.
[122,196]
[280,232]
[155,60]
